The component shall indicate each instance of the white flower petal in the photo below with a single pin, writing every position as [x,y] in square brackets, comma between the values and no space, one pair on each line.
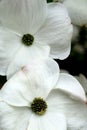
[76,30]
[57,100]
[70,85]
[13,118]
[77,10]
[25,56]
[36,80]
[75,110]
[77,116]
[15,90]
[9,45]
[43,76]
[23,16]
[49,121]
[57,31]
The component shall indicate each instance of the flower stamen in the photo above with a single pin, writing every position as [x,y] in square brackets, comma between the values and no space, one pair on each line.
[27,39]
[39,106]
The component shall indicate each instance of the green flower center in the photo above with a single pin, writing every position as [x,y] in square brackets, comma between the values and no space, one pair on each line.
[39,106]
[27,39]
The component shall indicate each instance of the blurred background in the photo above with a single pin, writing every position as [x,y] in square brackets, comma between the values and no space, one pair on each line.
[76,62]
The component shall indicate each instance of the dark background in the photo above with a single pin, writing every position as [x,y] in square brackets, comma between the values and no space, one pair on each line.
[74,66]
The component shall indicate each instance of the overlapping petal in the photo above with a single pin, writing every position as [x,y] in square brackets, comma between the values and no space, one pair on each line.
[57,31]
[15,90]
[36,80]
[25,56]
[23,16]
[77,10]
[13,118]
[70,85]
[74,110]
[43,77]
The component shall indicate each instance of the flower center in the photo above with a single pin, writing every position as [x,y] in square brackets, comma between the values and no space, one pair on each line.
[39,106]
[27,39]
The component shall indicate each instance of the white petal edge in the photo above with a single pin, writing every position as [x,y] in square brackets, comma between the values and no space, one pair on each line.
[14,91]
[70,85]
[57,31]
[23,16]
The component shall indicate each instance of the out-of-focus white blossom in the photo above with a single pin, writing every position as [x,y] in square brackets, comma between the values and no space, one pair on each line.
[30,30]
[77,10]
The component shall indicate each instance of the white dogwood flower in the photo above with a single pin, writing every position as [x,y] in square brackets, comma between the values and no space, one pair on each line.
[31,99]
[29,30]
[77,10]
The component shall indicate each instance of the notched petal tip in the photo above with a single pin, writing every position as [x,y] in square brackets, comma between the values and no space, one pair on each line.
[57,31]
[70,85]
